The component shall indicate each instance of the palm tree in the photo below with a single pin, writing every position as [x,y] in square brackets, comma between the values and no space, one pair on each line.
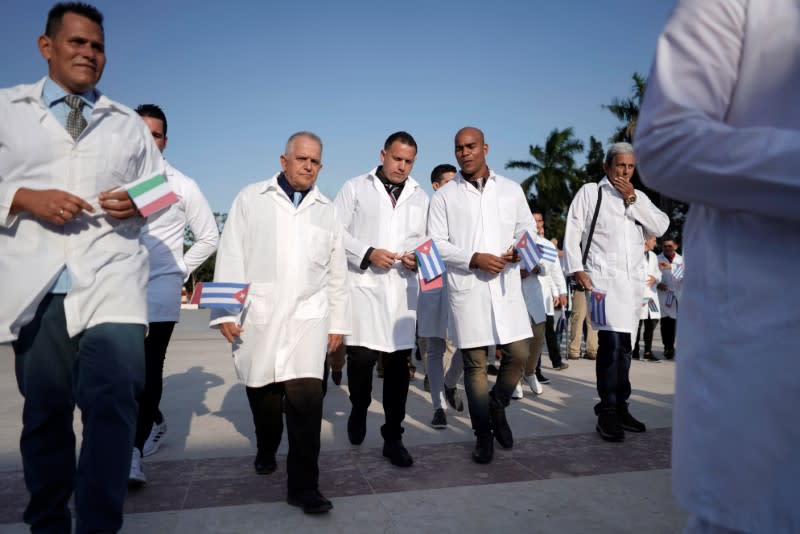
[627,110]
[554,177]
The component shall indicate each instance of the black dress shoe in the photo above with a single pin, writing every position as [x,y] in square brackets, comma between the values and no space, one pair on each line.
[629,422]
[311,501]
[397,454]
[454,398]
[609,426]
[265,464]
[484,449]
[356,427]
[502,432]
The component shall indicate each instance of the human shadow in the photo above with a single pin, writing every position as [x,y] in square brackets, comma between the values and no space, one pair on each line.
[236,410]
[186,399]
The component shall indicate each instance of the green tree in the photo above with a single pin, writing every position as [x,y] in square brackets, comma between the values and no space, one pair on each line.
[627,110]
[593,170]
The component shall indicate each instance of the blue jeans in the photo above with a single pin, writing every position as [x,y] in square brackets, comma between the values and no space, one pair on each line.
[101,370]
[612,366]
[514,356]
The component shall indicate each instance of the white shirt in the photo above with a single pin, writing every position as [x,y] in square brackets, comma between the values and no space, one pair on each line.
[720,128]
[673,284]
[294,261]
[650,292]
[486,309]
[384,300]
[105,257]
[164,237]
[615,262]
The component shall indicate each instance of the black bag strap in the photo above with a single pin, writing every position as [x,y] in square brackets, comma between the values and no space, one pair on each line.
[591,227]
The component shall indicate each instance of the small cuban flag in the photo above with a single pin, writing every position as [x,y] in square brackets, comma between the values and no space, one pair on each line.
[670,300]
[598,307]
[561,323]
[677,271]
[429,261]
[651,305]
[151,195]
[528,252]
[547,251]
[230,296]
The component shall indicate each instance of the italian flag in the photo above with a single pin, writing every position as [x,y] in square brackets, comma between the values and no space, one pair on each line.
[151,194]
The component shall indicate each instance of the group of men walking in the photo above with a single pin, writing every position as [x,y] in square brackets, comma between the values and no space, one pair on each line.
[90,316]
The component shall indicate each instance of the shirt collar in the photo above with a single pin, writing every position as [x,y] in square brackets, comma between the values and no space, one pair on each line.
[275,185]
[52,94]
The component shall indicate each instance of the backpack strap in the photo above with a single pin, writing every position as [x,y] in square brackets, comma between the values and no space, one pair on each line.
[591,227]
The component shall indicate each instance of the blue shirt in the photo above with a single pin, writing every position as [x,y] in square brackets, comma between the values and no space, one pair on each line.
[289,190]
[53,98]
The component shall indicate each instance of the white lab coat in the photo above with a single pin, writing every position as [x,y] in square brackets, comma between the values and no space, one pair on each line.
[104,255]
[720,128]
[486,309]
[615,263]
[384,301]
[539,290]
[650,292]
[672,283]
[163,236]
[294,261]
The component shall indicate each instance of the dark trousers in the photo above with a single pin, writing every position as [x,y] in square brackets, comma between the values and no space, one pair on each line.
[649,328]
[612,366]
[553,349]
[155,349]
[302,399]
[101,370]
[668,333]
[512,361]
[360,365]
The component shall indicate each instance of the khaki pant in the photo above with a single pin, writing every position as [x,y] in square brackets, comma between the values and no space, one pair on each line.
[577,318]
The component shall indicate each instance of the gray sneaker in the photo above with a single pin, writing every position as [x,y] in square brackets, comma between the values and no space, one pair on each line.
[439,419]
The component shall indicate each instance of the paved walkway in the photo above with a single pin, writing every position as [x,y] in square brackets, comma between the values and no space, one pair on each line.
[560,477]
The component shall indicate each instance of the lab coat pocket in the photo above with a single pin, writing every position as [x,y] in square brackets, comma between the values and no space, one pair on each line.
[314,307]
[260,302]
[119,163]
[318,242]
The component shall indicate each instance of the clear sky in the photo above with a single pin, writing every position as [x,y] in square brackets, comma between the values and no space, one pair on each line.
[236,78]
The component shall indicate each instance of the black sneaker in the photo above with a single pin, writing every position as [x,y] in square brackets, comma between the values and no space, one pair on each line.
[356,427]
[502,432]
[397,454]
[541,378]
[311,501]
[439,419]
[650,357]
[454,398]
[426,384]
[629,422]
[265,464]
[484,449]
[609,427]
[669,353]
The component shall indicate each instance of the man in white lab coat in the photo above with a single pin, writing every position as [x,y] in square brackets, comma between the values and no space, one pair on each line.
[281,237]
[170,266]
[475,221]
[669,294]
[75,274]
[650,311]
[610,267]
[383,215]
[720,129]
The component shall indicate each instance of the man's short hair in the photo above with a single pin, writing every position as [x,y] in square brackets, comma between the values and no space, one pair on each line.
[154,112]
[439,170]
[403,137]
[310,135]
[58,11]
[616,149]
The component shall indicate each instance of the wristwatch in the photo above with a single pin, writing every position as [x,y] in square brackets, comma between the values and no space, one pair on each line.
[630,199]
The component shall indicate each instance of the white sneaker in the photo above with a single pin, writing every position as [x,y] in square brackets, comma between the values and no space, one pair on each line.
[154,439]
[136,478]
[517,394]
[534,384]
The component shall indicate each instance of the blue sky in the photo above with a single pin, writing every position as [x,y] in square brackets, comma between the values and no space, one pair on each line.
[237,78]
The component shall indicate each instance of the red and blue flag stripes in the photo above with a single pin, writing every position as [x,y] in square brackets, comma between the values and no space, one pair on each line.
[528,251]
[227,295]
[597,309]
